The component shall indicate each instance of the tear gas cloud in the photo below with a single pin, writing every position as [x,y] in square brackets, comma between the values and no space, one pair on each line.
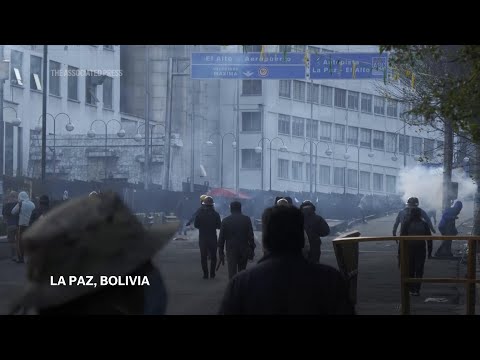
[426,184]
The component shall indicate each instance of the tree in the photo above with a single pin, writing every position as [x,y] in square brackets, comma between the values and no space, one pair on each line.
[441,84]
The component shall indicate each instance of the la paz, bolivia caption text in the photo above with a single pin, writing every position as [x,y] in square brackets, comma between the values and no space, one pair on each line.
[88,280]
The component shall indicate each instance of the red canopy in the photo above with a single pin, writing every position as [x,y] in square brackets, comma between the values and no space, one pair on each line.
[227,193]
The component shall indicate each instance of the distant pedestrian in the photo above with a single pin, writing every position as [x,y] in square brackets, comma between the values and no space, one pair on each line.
[362,206]
[12,223]
[284,282]
[315,227]
[236,235]
[41,210]
[207,222]
[447,226]
[24,209]
[414,225]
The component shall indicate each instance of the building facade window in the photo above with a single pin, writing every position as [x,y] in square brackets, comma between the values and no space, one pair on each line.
[429,148]
[54,78]
[253,48]
[324,175]
[325,131]
[72,83]
[340,98]
[416,145]
[298,126]
[251,87]
[378,140]
[283,169]
[366,103]
[339,133]
[285,89]
[391,143]
[339,176]
[298,90]
[90,90]
[108,93]
[284,48]
[392,108]
[251,159]
[16,67]
[379,105]
[312,129]
[352,178]
[327,95]
[35,73]
[352,135]
[283,124]
[297,169]
[391,184]
[364,180]
[439,147]
[403,144]
[313,93]
[299,48]
[377,182]
[353,100]
[252,121]
[366,138]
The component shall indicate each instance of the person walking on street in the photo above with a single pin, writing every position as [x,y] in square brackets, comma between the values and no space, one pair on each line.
[236,234]
[315,227]
[12,223]
[24,209]
[41,210]
[403,215]
[447,226]
[192,218]
[207,222]
[416,249]
[284,282]
[362,206]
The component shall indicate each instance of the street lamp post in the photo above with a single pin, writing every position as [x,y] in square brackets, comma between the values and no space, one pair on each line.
[138,138]
[15,122]
[328,152]
[69,127]
[370,155]
[259,149]
[120,134]
[234,144]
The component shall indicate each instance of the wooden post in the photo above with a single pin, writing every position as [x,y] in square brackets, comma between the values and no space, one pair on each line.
[405,294]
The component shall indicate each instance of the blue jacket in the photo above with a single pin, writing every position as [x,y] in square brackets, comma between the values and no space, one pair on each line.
[447,223]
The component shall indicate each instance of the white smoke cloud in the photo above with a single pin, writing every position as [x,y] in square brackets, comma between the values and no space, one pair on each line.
[427,185]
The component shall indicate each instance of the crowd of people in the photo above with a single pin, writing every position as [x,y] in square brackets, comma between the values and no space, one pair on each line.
[100,235]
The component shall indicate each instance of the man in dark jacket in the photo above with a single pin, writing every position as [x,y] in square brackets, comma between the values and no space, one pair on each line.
[447,227]
[11,222]
[42,209]
[414,225]
[192,218]
[284,282]
[237,232]
[315,227]
[207,222]
[404,215]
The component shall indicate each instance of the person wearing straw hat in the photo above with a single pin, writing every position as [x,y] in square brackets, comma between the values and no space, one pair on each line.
[99,241]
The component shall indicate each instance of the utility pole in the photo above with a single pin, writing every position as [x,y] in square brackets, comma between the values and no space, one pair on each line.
[147,117]
[311,139]
[447,164]
[44,111]
[168,123]
[192,119]
[3,77]
[237,179]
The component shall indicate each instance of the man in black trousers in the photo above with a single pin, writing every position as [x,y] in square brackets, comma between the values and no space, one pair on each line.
[236,232]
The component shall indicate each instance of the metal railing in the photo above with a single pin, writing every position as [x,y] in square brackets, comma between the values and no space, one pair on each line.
[347,253]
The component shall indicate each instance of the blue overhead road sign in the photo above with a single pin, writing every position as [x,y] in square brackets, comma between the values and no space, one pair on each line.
[270,66]
[343,65]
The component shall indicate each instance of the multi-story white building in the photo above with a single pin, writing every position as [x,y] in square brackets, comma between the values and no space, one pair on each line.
[359,137]
[83,83]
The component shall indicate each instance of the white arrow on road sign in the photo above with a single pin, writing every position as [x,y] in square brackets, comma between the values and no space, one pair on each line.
[248,73]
